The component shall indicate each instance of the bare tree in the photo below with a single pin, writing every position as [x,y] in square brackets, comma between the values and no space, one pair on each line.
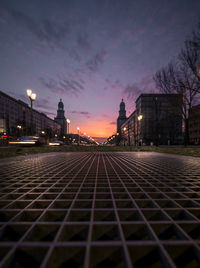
[190,60]
[190,56]
[177,78]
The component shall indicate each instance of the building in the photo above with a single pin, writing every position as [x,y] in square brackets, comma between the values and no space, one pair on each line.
[194,124]
[60,118]
[157,119]
[122,115]
[128,132]
[15,119]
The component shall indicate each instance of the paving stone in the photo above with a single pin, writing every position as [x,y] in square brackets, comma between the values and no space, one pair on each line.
[100,210]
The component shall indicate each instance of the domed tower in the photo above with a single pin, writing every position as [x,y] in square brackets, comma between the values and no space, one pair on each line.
[60,118]
[122,115]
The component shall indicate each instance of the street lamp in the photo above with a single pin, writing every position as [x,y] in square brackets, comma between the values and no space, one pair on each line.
[32,97]
[78,135]
[139,118]
[124,134]
[19,127]
[68,122]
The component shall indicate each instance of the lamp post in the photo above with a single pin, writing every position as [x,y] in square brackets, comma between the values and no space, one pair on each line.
[19,127]
[78,129]
[68,122]
[124,134]
[32,97]
[139,118]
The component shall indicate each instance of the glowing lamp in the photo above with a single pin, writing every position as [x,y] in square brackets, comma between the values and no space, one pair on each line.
[33,96]
[140,117]
[29,92]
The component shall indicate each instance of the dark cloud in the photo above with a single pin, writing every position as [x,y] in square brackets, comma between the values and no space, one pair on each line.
[74,55]
[86,114]
[48,113]
[62,86]
[132,91]
[145,85]
[96,61]
[113,123]
[46,31]
[83,41]
[43,103]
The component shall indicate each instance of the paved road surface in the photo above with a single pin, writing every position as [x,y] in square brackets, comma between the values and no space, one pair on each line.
[100,210]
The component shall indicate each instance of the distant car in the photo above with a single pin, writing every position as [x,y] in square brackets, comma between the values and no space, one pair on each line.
[28,141]
[56,143]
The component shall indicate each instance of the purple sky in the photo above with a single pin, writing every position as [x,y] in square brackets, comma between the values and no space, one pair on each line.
[90,53]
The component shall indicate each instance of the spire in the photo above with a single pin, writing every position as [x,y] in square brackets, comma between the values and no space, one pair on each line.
[122,110]
[60,105]
[60,118]
[122,115]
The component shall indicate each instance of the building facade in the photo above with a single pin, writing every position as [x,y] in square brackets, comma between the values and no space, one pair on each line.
[194,124]
[15,119]
[60,118]
[157,119]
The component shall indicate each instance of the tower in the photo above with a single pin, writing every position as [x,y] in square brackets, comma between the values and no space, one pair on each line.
[60,118]
[122,115]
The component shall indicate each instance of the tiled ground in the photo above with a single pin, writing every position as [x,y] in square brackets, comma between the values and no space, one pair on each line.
[100,210]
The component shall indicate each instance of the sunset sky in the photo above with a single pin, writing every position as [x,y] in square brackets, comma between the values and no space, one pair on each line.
[90,53]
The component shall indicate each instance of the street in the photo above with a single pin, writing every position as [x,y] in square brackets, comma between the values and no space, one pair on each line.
[100,209]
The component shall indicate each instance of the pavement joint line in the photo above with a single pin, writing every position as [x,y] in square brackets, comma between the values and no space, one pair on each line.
[100,208]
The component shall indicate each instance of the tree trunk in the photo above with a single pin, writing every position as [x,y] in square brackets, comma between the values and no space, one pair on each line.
[186,134]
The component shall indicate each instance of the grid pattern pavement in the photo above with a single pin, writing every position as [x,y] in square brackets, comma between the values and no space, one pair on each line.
[100,210]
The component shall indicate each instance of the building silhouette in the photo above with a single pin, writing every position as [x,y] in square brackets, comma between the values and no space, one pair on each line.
[122,116]
[60,118]
[194,124]
[160,120]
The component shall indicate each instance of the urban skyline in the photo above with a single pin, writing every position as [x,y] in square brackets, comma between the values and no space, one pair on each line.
[91,55]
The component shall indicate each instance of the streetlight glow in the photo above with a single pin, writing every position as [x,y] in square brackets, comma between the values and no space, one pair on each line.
[68,122]
[124,128]
[140,117]
[78,128]
[29,92]
[33,96]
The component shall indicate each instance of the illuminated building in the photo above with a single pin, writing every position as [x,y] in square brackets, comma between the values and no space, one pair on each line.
[157,119]
[15,118]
